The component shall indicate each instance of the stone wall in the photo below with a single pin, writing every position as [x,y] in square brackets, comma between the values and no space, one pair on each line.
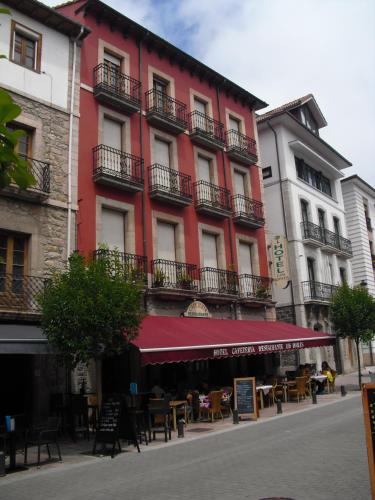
[285,314]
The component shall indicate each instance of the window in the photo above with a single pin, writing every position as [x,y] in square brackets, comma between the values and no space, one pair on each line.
[304,211]
[308,120]
[113,229]
[313,177]
[112,133]
[234,124]
[112,72]
[245,258]
[336,225]
[160,85]
[267,172]
[162,152]
[166,248]
[311,268]
[200,106]
[24,146]
[25,46]
[204,169]
[322,218]
[13,255]
[342,275]
[210,258]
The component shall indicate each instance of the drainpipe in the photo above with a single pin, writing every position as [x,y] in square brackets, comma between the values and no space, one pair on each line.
[70,145]
[141,150]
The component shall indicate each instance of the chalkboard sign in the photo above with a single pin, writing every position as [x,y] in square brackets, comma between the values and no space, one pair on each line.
[245,397]
[368,400]
[109,421]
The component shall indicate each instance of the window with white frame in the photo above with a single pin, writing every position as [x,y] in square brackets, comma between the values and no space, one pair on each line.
[113,229]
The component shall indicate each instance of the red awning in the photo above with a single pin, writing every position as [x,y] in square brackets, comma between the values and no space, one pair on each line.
[165,339]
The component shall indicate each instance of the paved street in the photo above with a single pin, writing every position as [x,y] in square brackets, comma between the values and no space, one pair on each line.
[315,454]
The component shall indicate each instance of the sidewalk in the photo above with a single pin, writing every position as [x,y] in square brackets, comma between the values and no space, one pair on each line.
[81,452]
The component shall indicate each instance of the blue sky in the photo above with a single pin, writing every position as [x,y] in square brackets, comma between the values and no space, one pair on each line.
[283,49]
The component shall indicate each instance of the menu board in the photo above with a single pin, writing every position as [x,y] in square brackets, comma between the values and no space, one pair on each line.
[109,421]
[368,401]
[245,397]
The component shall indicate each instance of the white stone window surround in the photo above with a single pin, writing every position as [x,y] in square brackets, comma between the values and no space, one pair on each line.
[36,127]
[201,97]
[304,199]
[213,163]
[232,114]
[236,167]
[178,222]
[220,241]
[159,134]
[104,46]
[127,209]
[31,34]
[155,72]
[119,117]
[253,242]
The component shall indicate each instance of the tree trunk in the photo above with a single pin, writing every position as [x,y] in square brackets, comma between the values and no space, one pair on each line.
[359,365]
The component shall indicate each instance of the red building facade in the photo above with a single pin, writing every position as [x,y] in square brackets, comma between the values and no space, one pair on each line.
[168,170]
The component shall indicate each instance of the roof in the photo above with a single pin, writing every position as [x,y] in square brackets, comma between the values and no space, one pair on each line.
[356,178]
[104,12]
[164,339]
[49,17]
[308,99]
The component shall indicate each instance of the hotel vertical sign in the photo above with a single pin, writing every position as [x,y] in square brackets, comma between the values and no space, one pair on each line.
[280,268]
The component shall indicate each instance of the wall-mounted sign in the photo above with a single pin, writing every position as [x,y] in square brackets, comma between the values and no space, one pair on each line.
[197,310]
[280,266]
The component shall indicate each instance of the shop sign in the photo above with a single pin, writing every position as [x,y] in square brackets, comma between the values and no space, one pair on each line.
[280,267]
[197,310]
[257,349]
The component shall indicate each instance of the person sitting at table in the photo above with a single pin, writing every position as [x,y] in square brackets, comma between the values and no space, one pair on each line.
[327,371]
[157,391]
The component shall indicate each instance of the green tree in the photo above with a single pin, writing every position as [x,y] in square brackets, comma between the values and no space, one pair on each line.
[92,309]
[13,168]
[353,315]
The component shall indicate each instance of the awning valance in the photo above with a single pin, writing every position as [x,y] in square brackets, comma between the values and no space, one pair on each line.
[165,339]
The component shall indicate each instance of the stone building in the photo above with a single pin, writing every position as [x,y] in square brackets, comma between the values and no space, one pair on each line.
[37,225]
[304,203]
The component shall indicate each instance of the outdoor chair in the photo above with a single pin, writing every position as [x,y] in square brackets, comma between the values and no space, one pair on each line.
[277,392]
[79,416]
[226,403]
[215,405]
[44,435]
[159,415]
[298,390]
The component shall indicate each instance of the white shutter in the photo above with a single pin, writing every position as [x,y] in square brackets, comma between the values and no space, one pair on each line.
[166,241]
[204,169]
[239,183]
[161,152]
[210,250]
[112,133]
[113,230]
[245,258]
[234,124]
[109,58]
[200,106]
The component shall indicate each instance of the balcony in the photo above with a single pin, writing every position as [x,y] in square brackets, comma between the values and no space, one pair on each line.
[169,185]
[334,243]
[247,212]
[40,190]
[211,199]
[116,168]
[19,295]
[116,89]
[312,234]
[218,285]
[165,112]
[206,131]
[134,265]
[241,148]
[172,279]
[313,291]
[254,288]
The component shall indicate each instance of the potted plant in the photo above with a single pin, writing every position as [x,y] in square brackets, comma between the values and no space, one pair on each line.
[262,292]
[185,281]
[159,278]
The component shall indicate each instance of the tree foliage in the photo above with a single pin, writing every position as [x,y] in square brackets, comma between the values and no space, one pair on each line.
[353,315]
[93,309]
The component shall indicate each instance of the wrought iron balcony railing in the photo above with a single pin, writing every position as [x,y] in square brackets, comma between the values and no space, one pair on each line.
[171,274]
[209,130]
[218,281]
[257,287]
[247,210]
[337,241]
[211,196]
[169,181]
[41,172]
[135,265]
[122,168]
[109,80]
[241,145]
[167,107]
[20,293]
[311,231]
[315,291]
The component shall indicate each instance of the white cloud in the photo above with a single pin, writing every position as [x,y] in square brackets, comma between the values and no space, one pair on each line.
[281,50]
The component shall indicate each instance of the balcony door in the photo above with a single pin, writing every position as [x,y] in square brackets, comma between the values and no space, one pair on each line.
[13,255]
[240,189]
[202,119]
[311,274]
[235,125]
[112,136]
[165,271]
[161,101]
[210,277]
[113,229]
[164,177]
[246,270]
[206,192]
[112,73]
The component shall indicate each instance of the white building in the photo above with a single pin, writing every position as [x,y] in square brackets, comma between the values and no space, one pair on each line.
[303,202]
[359,201]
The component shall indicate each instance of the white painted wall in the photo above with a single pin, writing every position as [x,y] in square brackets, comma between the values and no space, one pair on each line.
[50,86]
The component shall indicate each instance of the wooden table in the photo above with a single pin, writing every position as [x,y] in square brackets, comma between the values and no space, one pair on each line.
[174,405]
